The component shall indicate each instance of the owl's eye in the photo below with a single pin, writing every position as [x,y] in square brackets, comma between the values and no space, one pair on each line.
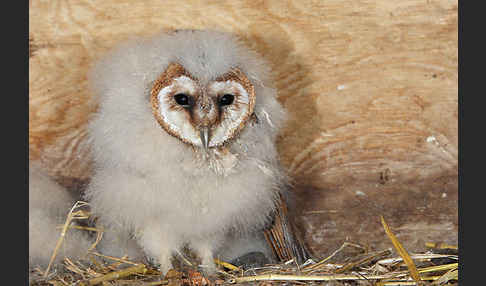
[182,99]
[226,99]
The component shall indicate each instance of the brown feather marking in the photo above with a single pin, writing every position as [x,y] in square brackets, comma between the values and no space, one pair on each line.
[283,238]
[173,71]
[235,74]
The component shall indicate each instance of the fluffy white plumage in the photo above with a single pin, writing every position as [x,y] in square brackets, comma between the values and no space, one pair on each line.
[49,204]
[167,193]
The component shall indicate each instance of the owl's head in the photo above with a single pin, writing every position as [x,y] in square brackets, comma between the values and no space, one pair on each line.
[201,112]
[201,87]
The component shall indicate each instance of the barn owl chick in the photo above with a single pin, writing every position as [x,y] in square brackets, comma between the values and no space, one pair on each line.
[184,143]
[49,204]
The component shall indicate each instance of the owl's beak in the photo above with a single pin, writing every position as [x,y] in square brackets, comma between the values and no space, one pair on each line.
[204,135]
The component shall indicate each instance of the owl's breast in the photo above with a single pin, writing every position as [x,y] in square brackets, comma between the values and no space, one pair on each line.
[237,193]
[203,193]
[219,161]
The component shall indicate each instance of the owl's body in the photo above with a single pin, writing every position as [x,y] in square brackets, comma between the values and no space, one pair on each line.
[184,143]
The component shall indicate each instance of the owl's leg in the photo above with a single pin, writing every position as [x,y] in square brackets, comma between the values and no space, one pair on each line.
[159,244]
[205,248]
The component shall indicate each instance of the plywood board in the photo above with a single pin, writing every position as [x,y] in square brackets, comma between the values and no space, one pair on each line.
[371,87]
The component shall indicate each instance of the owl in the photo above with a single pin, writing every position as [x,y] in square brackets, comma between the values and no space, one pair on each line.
[184,148]
[49,204]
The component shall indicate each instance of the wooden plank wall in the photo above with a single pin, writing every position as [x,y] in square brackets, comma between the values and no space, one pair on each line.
[371,87]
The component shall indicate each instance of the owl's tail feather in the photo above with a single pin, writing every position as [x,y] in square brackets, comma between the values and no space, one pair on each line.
[283,238]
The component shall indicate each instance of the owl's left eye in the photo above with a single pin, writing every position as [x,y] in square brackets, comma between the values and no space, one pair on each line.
[226,99]
[182,99]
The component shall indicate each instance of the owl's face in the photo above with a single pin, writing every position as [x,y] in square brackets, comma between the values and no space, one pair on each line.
[204,114]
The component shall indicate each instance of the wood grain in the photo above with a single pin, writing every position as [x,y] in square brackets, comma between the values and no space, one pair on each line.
[371,87]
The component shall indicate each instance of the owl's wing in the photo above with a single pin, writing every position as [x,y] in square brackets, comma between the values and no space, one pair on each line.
[283,237]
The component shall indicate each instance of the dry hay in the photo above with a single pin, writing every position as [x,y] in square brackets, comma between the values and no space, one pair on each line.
[351,264]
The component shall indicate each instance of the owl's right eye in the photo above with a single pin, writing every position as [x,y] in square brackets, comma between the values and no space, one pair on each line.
[182,99]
